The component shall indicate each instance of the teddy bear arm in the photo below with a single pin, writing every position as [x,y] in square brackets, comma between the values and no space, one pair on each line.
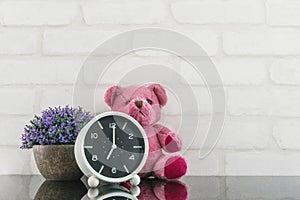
[169,141]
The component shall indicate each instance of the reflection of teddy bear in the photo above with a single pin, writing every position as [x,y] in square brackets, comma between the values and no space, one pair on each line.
[153,189]
[144,104]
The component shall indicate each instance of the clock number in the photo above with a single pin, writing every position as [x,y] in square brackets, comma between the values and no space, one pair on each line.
[94,136]
[131,157]
[113,170]
[112,125]
[94,158]
[130,136]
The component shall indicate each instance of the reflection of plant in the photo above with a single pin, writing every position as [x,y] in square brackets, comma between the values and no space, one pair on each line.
[55,126]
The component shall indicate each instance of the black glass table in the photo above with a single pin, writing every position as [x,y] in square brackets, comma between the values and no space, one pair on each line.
[208,188]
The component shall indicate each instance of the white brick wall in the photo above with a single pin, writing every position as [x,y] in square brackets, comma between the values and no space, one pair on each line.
[17,101]
[286,134]
[283,12]
[38,13]
[122,12]
[18,41]
[254,44]
[285,71]
[72,42]
[262,42]
[245,134]
[39,71]
[218,11]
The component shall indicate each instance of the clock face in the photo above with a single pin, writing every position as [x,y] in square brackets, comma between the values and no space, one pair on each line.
[114,146]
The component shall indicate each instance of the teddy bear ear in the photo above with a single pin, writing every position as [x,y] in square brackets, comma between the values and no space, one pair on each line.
[160,92]
[111,94]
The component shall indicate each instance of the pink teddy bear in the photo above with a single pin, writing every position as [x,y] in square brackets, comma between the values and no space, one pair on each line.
[144,104]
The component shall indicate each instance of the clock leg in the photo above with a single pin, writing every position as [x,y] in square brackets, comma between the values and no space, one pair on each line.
[135,180]
[135,191]
[93,182]
[93,193]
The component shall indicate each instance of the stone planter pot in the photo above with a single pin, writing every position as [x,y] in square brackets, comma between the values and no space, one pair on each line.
[57,162]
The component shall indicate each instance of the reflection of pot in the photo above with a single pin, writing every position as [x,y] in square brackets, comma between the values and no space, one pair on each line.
[57,162]
[61,190]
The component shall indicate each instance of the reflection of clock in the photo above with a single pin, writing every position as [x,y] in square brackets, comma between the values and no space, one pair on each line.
[112,192]
[112,147]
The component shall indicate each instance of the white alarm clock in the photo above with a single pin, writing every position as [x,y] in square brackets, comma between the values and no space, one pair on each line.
[112,147]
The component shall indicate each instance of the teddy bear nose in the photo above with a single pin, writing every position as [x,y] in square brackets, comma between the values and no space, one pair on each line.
[138,104]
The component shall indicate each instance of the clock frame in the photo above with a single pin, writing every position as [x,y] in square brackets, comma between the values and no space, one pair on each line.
[80,147]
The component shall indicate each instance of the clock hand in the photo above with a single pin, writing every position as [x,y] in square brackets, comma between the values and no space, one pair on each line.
[114,136]
[111,150]
[109,154]
[114,146]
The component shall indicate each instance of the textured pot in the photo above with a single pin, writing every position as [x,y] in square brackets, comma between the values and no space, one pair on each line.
[56,162]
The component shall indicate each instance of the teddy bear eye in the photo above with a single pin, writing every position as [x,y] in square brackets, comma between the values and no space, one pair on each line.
[127,102]
[149,101]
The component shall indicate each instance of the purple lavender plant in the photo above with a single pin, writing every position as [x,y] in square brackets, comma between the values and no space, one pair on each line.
[55,126]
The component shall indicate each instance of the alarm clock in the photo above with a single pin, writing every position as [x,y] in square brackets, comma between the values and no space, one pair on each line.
[112,147]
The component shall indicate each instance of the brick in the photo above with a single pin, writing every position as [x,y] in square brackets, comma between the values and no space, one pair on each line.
[250,101]
[194,75]
[207,166]
[18,41]
[124,12]
[17,101]
[186,127]
[56,96]
[38,13]
[286,134]
[241,71]
[232,71]
[197,95]
[283,12]
[285,71]
[244,134]
[12,129]
[90,97]
[208,40]
[264,101]
[262,163]
[119,71]
[273,187]
[285,102]
[74,41]
[269,42]
[218,11]
[14,160]
[45,71]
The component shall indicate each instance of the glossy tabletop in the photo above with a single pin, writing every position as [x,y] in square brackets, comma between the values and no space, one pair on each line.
[209,188]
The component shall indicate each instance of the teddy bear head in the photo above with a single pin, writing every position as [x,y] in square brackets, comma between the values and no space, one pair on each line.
[143,103]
